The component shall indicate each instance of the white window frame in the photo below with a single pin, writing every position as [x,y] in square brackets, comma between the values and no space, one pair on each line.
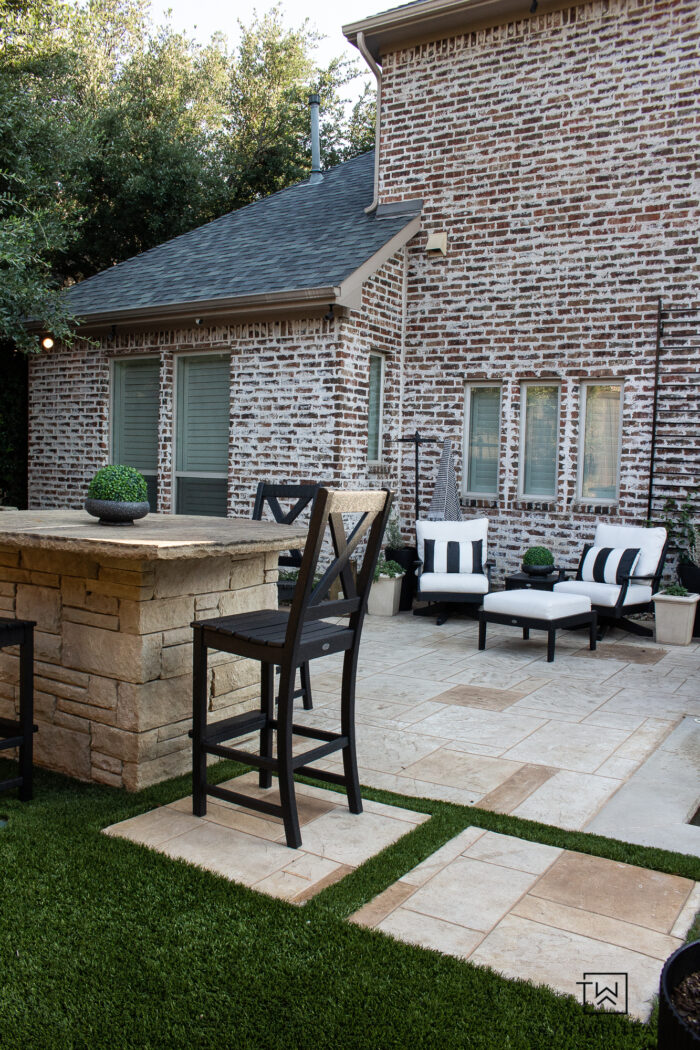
[380,421]
[585,384]
[522,494]
[468,387]
[114,361]
[178,358]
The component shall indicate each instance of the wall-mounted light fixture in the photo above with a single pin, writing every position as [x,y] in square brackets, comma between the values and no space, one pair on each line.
[198,321]
[437,242]
[330,316]
[533,7]
[47,342]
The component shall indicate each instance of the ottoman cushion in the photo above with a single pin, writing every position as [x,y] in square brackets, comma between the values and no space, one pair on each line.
[538,605]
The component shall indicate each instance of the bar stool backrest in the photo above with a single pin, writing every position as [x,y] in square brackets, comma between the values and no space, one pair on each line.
[270,494]
[309,604]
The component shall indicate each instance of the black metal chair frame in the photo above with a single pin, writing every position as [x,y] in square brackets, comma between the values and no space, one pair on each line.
[19,732]
[288,639]
[271,494]
[610,616]
[529,623]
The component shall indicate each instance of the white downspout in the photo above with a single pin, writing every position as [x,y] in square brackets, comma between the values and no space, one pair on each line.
[362,48]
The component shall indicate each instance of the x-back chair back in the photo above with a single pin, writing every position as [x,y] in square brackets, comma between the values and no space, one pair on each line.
[288,639]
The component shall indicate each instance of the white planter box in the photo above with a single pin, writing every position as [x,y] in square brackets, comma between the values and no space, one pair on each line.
[384,596]
[674,616]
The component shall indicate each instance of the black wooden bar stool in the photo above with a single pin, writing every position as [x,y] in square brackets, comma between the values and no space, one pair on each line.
[20,733]
[270,495]
[288,639]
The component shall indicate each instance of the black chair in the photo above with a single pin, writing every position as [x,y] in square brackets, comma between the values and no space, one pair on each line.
[288,639]
[20,732]
[303,495]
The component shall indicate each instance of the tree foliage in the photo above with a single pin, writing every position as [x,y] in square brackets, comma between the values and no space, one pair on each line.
[116,135]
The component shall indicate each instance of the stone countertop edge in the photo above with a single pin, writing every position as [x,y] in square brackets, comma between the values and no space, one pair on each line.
[154,538]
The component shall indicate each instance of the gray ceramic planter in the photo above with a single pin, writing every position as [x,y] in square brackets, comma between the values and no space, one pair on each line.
[113,513]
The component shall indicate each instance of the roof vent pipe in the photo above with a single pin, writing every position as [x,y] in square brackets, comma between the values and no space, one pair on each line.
[316,176]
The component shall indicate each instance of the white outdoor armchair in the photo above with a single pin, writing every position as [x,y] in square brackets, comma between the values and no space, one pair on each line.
[453,565]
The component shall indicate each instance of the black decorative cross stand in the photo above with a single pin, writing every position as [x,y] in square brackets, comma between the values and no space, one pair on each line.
[417,440]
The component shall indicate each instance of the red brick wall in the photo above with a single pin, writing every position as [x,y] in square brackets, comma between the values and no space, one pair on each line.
[558,154]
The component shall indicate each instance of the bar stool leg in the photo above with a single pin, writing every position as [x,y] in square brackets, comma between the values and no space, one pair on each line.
[347,723]
[305,675]
[26,714]
[267,704]
[284,758]
[199,725]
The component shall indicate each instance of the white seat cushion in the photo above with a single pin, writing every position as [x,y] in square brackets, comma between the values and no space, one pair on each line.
[540,605]
[605,593]
[649,541]
[454,582]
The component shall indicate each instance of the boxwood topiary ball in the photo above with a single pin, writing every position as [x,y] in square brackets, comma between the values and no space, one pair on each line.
[118,484]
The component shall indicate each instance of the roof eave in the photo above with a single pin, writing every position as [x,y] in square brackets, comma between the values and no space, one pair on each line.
[438,19]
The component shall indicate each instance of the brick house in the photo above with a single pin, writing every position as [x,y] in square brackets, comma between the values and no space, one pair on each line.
[495,278]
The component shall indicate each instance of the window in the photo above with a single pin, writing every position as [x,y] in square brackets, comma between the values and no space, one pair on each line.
[538,439]
[135,401]
[600,452]
[481,438]
[376,407]
[202,435]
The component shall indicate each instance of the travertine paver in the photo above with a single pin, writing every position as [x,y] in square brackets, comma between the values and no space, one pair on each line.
[250,848]
[505,730]
[536,912]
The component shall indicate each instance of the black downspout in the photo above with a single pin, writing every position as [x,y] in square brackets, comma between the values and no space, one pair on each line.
[655,405]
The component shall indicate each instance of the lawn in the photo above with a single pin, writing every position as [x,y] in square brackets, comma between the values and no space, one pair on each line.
[106,944]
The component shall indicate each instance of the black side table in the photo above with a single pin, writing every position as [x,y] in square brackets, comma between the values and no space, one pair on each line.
[523,581]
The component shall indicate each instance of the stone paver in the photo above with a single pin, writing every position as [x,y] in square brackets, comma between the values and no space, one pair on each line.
[250,848]
[539,913]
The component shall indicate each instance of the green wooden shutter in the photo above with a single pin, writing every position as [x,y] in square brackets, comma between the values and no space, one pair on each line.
[203,414]
[601,442]
[483,439]
[375,407]
[540,444]
[135,419]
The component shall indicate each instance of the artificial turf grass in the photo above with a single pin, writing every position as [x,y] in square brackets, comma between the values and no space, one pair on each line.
[105,943]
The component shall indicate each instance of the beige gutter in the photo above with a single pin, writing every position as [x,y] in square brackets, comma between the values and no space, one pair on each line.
[362,47]
[437,20]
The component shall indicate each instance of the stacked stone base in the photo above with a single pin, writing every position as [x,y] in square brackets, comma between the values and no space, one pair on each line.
[113,655]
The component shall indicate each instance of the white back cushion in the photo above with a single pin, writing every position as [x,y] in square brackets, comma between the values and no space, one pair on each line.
[459,531]
[649,541]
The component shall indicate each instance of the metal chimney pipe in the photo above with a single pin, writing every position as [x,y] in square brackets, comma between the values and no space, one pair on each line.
[316,176]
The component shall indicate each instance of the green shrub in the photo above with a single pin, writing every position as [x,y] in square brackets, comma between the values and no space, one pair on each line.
[676,590]
[118,485]
[538,556]
[387,568]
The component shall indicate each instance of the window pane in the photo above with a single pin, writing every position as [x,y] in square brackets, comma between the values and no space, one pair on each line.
[540,444]
[375,407]
[483,440]
[136,401]
[203,414]
[202,496]
[601,443]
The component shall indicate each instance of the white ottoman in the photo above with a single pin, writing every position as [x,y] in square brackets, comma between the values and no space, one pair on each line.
[541,610]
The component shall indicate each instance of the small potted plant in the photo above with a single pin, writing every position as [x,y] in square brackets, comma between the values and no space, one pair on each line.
[386,589]
[117,495]
[684,535]
[538,561]
[674,614]
[679,999]
[407,557]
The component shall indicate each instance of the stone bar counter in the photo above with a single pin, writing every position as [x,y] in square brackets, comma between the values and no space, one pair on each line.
[113,642]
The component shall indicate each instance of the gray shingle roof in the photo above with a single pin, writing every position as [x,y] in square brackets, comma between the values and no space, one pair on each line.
[306,236]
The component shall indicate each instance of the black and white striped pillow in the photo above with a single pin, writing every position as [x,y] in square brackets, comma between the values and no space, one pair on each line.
[453,556]
[607,564]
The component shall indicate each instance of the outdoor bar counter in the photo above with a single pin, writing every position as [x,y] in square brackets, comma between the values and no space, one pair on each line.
[113,653]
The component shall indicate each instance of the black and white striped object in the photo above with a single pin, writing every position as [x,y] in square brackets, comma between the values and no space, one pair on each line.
[453,556]
[607,564]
